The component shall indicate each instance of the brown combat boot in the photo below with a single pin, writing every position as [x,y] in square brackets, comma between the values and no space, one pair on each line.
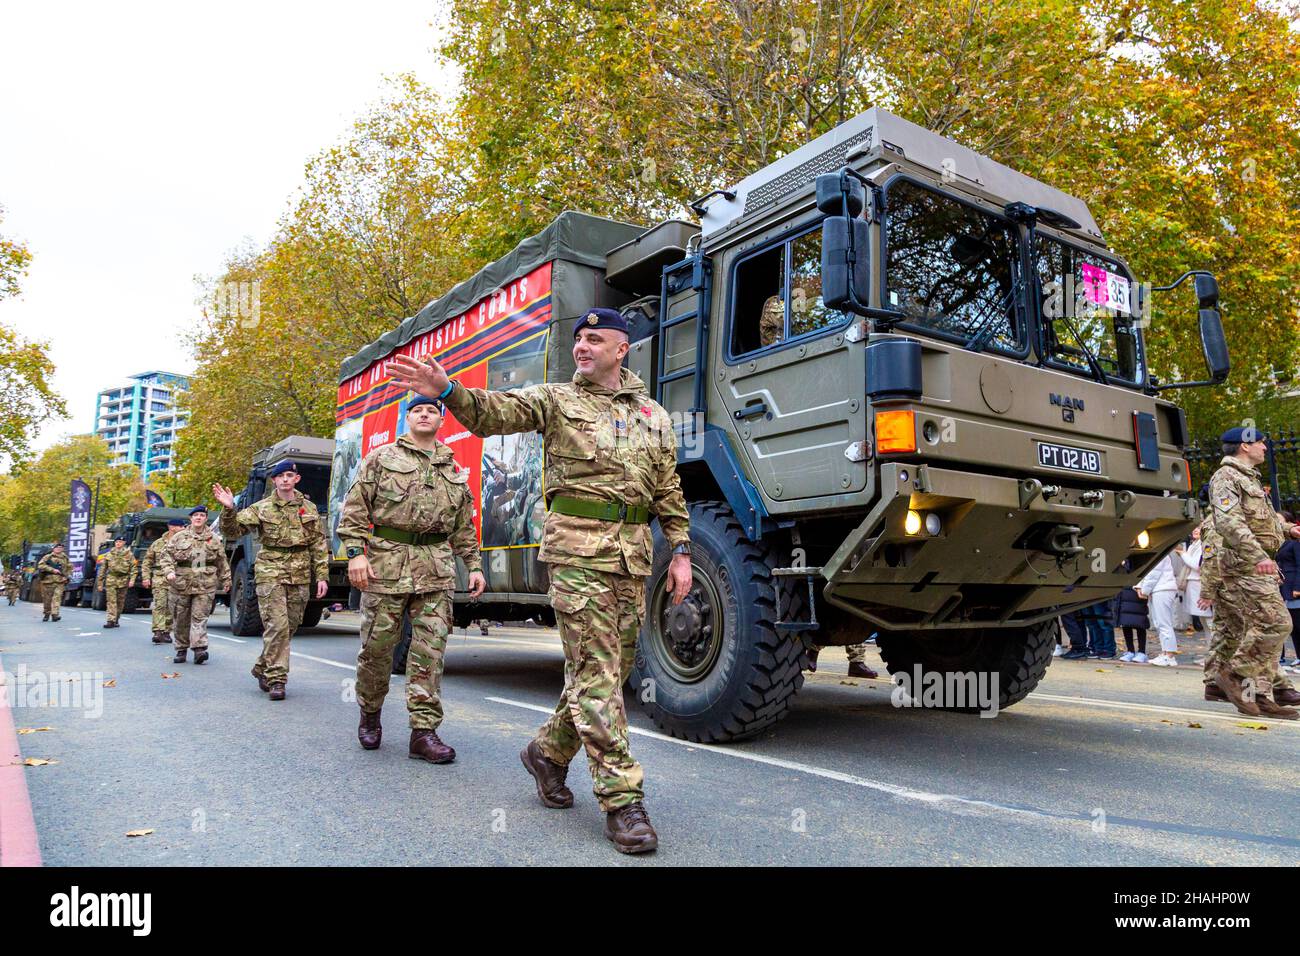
[425,745]
[1268,708]
[369,732]
[859,669]
[1232,690]
[549,776]
[1213,693]
[277,692]
[160,638]
[810,660]
[261,681]
[180,656]
[1287,696]
[201,656]
[629,829]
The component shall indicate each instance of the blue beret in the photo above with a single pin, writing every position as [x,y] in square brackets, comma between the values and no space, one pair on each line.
[199,508]
[282,467]
[418,400]
[1238,435]
[601,319]
[175,523]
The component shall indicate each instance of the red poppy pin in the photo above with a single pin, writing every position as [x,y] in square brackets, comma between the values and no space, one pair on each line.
[301,512]
[645,410]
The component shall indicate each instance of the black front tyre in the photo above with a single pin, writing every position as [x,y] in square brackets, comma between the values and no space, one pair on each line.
[1016,656]
[714,667]
[245,617]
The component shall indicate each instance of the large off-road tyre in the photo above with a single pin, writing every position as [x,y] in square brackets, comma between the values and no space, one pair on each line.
[715,668]
[1018,656]
[311,615]
[245,616]
[100,601]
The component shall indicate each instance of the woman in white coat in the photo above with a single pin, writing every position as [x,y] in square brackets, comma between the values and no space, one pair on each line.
[1191,596]
[1160,588]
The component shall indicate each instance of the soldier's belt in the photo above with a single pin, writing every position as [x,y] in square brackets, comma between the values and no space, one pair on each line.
[285,547]
[602,510]
[409,537]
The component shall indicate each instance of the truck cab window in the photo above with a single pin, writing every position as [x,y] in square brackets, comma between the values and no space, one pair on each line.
[778,295]
[951,268]
[1095,296]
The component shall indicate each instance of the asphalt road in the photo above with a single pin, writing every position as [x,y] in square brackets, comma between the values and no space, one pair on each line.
[1100,766]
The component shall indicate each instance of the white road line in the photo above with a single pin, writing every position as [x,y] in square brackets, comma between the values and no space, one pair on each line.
[509,640]
[233,640]
[1157,709]
[895,790]
[323,660]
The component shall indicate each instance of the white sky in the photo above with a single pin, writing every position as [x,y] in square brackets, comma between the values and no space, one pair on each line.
[139,142]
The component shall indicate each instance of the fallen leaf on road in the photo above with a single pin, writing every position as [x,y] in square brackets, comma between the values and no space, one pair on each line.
[849,683]
[110,683]
[1194,725]
[1102,670]
[170,676]
[137,833]
[1163,721]
[1242,723]
[38,762]
[32,730]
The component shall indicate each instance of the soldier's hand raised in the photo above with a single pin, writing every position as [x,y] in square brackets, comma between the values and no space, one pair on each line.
[223,495]
[426,377]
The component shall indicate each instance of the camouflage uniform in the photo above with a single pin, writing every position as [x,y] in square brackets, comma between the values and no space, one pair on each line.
[608,446]
[1249,604]
[402,487]
[151,571]
[13,581]
[292,554]
[198,560]
[115,573]
[52,573]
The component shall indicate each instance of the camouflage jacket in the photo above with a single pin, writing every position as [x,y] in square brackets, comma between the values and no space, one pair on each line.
[13,578]
[53,568]
[401,486]
[116,567]
[199,561]
[1251,531]
[1211,544]
[149,567]
[291,534]
[600,444]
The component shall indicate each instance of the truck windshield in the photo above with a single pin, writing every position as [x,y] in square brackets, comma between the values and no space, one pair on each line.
[1095,295]
[951,267]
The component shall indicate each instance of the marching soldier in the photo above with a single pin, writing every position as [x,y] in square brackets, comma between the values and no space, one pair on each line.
[151,578]
[52,574]
[115,574]
[193,563]
[293,552]
[13,581]
[857,655]
[1246,592]
[407,514]
[611,463]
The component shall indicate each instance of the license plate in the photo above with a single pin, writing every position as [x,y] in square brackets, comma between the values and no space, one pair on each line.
[1070,459]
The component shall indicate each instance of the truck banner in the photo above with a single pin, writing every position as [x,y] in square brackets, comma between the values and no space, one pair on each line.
[498,343]
[78,530]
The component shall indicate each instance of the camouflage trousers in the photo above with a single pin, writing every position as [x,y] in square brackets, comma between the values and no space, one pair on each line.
[190,619]
[1253,626]
[857,653]
[51,597]
[381,629]
[162,609]
[599,615]
[282,607]
[114,600]
[11,592]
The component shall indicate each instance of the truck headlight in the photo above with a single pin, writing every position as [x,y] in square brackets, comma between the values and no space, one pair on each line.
[932,524]
[912,523]
[1143,540]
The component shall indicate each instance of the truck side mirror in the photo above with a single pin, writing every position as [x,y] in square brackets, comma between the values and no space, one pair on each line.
[832,190]
[1213,342]
[1207,292]
[846,266]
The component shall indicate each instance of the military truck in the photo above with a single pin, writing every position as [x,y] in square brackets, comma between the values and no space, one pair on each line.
[140,529]
[912,398]
[313,457]
[30,589]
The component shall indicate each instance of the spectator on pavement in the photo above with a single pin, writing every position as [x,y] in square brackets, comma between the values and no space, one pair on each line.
[1288,564]
[1078,631]
[1192,592]
[1160,588]
[1131,615]
[1100,621]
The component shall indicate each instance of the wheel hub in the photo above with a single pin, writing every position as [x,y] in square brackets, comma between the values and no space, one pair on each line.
[689,632]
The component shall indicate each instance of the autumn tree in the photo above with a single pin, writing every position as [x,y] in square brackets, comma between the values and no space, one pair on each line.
[27,399]
[34,503]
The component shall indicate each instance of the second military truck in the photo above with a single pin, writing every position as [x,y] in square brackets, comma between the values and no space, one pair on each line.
[912,398]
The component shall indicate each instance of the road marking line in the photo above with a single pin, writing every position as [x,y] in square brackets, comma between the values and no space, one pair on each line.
[233,640]
[323,660]
[18,843]
[1157,709]
[507,640]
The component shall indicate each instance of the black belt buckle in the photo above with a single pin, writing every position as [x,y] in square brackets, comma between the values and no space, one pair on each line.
[622,511]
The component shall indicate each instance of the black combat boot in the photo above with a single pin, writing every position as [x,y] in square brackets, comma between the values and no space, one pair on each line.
[629,829]
[549,776]
[45,618]
[370,733]
[425,745]
[277,692]
[859,669]
[201,656]
[180,655]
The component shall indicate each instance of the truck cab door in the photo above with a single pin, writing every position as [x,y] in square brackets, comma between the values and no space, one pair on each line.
[791,375]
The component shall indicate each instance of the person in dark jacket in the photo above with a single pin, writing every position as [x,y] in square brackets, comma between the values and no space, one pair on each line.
[1078,633]
[1100,621]
[1131,615]
[1288,565]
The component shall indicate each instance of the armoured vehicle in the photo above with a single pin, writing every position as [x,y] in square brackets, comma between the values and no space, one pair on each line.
[313,457]
[912,399]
